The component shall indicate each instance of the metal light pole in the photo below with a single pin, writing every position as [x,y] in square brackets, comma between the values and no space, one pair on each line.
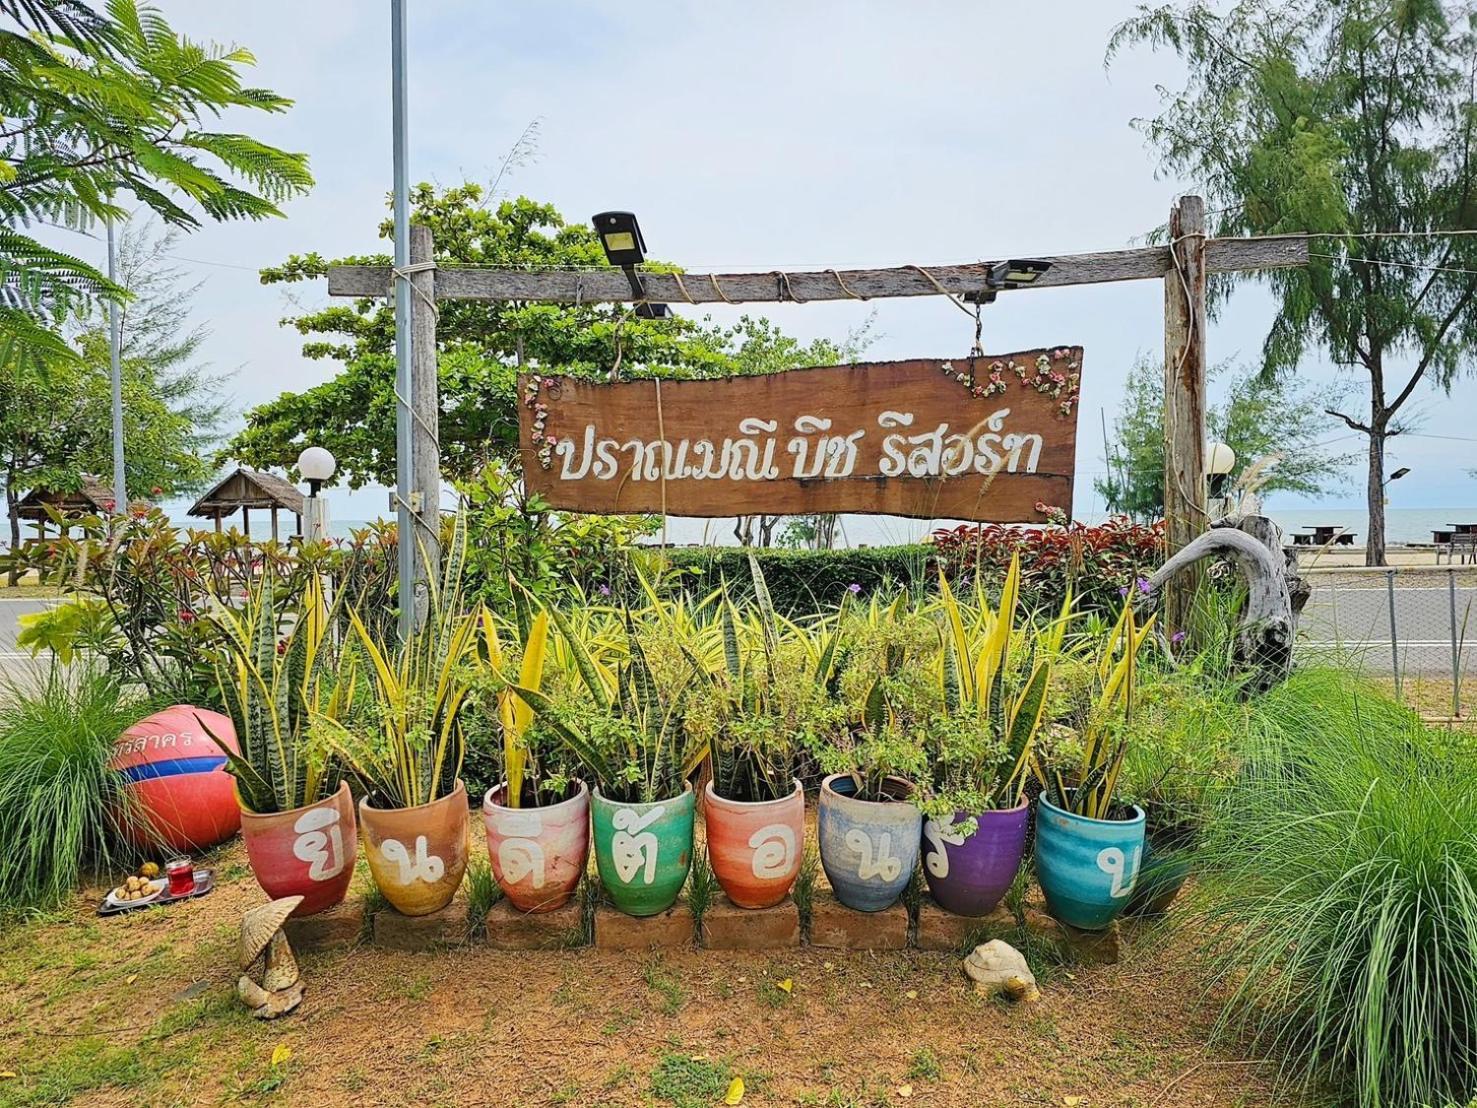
[404,473]
[115,359]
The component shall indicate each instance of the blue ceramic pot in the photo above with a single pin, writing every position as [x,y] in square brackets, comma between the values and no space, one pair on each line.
[1087,867]
[869,848]
[1161,878]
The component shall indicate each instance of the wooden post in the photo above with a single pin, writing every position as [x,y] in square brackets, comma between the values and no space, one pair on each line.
[1184,397]
[274,523]
[245,521]
[217,523]
[425,405]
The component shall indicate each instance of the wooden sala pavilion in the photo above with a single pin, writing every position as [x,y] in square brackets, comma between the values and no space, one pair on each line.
[244,489]
[92,496]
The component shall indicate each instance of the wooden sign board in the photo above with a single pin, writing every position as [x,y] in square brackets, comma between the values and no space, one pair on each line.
[982,438]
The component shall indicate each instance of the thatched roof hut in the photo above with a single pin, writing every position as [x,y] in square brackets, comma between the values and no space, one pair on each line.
[243,489]
[38,504]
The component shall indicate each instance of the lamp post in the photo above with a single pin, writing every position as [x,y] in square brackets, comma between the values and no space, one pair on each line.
[620,238]
[1220,460]
[1399,473]
[316,466]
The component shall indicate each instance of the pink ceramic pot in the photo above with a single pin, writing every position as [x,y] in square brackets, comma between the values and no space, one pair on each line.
[755,846]
[418,855]
[307,852]
[538,854]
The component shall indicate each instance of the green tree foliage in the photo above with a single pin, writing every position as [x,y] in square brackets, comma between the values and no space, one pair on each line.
[482,345]
[56,426]
[97,106]
[1342,120]
[1257,419]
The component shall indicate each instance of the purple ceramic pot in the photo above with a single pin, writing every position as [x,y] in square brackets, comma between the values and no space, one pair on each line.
[969,876]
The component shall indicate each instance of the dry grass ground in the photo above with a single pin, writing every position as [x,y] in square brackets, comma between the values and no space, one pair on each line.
[140,1010]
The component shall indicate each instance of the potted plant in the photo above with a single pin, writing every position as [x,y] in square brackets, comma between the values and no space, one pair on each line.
[537,817]
[766,701]
[1179,758]
[867,824]
[406,747]
[276,670]
[1089,843]
[629,738]
[979,744]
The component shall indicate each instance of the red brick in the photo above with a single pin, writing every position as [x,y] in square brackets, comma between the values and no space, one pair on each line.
[939,929]
[834,924]
[445,927]
[336,927]
[509,929]
[614,930]
[728,927]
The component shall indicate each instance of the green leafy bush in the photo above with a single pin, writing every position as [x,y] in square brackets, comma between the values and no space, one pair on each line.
[802,582]
[1339,902]
[60,804]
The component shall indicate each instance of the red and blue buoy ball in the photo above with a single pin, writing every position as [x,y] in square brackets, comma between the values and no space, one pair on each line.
[180,795]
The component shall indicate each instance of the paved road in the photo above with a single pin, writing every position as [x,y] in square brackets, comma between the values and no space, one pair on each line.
[1355,618]
[17,663]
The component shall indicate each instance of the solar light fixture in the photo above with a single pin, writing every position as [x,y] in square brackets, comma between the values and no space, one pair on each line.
[1399,473]
[1016,273]
[620,238]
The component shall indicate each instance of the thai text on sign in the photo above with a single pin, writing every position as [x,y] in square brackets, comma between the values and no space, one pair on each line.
[988,437]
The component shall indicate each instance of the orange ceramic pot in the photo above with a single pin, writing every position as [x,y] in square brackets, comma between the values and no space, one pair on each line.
[417,855]
[307,852]
[538,854]
[755,846]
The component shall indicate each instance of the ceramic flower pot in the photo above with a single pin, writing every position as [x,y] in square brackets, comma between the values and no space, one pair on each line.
[1162,876]
[538,854]
[1087,867]
[755,846]
[643,851]
[969,875]
[418,855]
[307,852]
[869,848]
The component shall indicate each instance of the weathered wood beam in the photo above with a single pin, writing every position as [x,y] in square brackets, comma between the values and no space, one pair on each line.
[610,285]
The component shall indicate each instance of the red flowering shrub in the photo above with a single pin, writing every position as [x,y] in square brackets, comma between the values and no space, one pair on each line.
[1100,563]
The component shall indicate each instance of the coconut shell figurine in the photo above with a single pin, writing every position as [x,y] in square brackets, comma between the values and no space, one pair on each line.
[270,984]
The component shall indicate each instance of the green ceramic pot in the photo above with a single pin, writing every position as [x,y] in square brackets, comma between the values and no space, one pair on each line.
[643,851]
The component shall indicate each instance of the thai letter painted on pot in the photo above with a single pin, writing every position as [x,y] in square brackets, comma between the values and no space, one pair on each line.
[418,855]
[755,846]
[869,849]
[969,875]
[308,852]
[1087,867]
[538,854]
[643,851]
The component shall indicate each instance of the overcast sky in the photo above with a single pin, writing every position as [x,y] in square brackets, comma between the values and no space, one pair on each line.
[755,135]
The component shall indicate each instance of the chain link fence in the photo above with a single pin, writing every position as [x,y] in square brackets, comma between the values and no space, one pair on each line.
[1407,625]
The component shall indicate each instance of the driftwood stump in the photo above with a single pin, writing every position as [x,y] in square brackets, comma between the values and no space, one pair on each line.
[1275,594]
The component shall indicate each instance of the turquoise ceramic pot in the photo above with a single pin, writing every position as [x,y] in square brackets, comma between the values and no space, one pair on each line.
[1087,867]
[869,848]
[643,851]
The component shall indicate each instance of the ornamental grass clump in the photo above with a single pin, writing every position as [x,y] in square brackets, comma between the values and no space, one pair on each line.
[60,805]
[1339,902]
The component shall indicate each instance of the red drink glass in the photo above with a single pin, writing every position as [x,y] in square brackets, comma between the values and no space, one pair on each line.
[181,874]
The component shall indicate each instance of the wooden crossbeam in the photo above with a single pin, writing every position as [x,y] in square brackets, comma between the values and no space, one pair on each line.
[610,285]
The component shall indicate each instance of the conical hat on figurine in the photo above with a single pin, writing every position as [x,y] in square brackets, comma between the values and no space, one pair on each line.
[261,923]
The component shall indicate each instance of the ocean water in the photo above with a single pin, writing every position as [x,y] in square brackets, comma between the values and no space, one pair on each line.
[1402,525]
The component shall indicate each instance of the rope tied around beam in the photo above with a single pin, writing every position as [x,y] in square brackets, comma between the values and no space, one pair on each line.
[405,272]
[845,287]
[934,281]
[783,289]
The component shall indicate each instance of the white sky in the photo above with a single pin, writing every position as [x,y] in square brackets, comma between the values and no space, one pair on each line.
[754,135]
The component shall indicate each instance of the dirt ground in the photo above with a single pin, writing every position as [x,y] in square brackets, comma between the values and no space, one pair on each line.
[140,1009]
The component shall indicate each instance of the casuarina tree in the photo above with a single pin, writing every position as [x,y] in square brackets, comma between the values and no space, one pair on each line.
[1353,121]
